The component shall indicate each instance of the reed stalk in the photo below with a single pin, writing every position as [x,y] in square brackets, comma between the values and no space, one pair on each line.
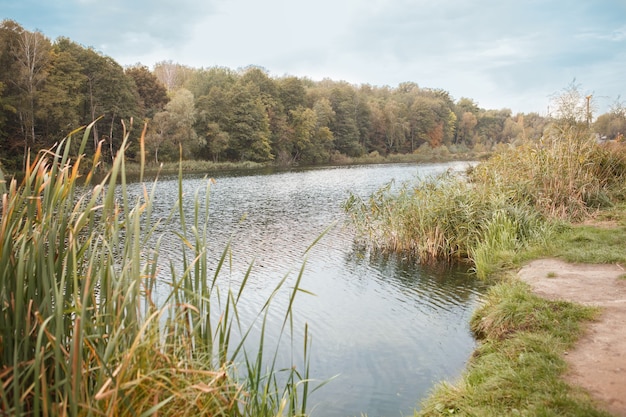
[500,206]
[81,333]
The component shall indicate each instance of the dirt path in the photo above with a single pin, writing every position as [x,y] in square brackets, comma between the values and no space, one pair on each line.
[598,361]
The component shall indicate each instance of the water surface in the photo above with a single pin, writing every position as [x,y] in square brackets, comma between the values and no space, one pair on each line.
[385,328]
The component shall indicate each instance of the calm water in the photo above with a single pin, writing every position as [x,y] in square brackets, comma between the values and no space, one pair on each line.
[386,329]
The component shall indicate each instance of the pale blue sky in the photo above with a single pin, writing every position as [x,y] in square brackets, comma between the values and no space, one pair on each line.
[501,53]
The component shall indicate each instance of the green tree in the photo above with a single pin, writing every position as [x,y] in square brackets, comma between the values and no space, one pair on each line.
[157,135]
[344,127]
[152,92]
[214,113]
[61,97]
[217,140]
[304,122]
[201,81]
[323,139]
[249,126]
[291,93]
[172,130]
[268,93]
[5,108]
[109,95]
[182,117]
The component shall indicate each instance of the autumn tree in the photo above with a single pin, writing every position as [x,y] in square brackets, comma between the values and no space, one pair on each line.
[31,53]
[172,75]
[491,125]
[465,131]
[222,114]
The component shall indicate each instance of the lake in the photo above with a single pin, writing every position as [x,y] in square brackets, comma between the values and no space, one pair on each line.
[385,329]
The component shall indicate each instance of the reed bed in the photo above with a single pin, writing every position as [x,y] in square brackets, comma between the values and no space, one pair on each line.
[445,219]
[486,215]
[80,331]
[566,175]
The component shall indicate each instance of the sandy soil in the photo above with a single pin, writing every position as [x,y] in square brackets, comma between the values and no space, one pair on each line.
[598,361]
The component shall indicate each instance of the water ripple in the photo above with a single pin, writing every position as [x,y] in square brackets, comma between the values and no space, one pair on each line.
[389,329]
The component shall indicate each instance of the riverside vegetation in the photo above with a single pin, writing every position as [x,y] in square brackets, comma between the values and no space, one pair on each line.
[81,331]
[83,335]
[522,203]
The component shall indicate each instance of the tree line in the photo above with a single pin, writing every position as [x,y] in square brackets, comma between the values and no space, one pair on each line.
[49,88]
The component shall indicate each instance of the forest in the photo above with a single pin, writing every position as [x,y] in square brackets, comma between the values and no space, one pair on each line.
[50,88]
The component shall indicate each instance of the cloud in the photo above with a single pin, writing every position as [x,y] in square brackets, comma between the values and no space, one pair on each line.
[118,27]
[502,54]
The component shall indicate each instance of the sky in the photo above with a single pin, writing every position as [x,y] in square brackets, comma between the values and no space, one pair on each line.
[500,53]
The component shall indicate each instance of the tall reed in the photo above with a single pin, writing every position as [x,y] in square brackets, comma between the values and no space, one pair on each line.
[80,330]
[498,207]
[444,218]
[565,175]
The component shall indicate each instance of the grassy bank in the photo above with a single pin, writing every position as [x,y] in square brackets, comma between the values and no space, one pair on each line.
[562,196]
[80,331]
[425,154]
[518,366]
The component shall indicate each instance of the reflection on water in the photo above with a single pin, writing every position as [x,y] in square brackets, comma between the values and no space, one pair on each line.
[388,329]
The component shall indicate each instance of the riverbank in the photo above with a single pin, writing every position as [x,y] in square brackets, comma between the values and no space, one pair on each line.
[551,339]
[597,362]
[422,156]
[561,197]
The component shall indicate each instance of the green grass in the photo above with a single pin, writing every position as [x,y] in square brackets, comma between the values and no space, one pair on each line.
[518,367]
[601,239]
[589,244]
[80,331]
